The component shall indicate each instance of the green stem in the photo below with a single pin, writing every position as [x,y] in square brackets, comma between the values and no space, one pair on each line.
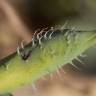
[54,52]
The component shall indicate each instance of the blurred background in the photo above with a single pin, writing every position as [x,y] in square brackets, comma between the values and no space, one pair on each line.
[18,21]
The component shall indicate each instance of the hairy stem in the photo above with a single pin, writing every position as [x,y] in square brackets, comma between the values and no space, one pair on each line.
[45,58]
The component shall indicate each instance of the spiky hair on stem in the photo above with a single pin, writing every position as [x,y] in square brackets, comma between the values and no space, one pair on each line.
[50,48]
